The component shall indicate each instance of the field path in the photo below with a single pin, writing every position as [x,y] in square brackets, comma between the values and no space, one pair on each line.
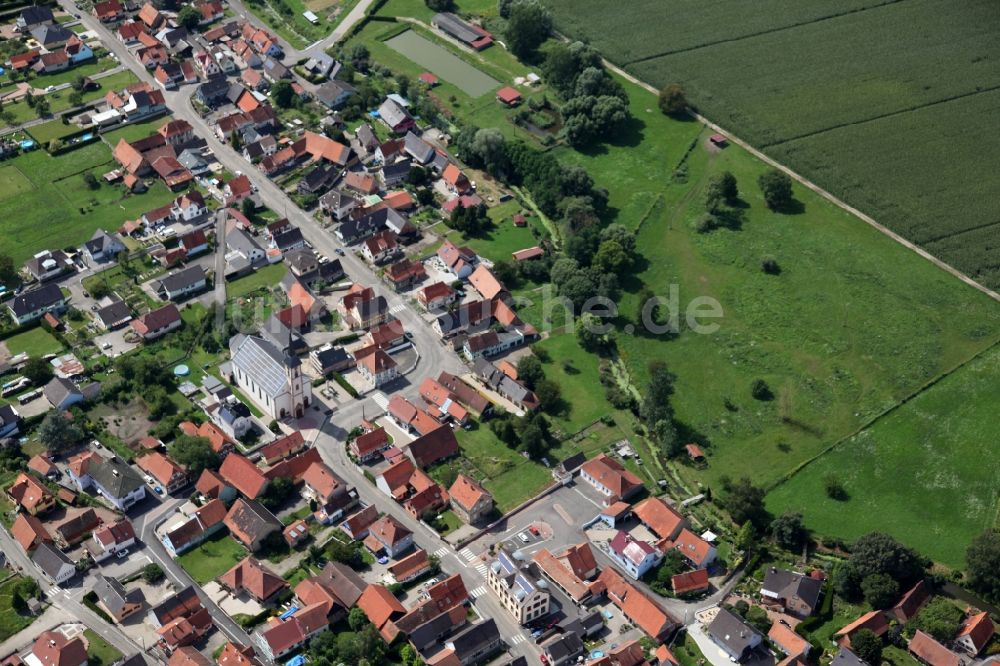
[805,182]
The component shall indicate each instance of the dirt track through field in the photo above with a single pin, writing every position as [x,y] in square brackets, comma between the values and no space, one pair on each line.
[805,182]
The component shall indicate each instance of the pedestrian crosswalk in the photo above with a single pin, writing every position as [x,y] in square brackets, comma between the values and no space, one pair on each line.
[379,399]
[478,592]
[467,554]
[441,552]
[398,307]
[517,639]
[481,568]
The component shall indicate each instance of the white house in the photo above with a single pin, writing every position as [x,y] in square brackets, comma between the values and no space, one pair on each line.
[634,556]
[114,480]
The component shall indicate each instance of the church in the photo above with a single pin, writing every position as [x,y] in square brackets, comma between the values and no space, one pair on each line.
[270,376]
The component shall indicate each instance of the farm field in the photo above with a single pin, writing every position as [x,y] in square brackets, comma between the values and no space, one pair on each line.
[918,473]
[859,84]
[56,208]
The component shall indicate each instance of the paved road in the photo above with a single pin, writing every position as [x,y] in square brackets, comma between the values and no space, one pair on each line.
[66,599]
[331,446]
[219,295]
[145,527]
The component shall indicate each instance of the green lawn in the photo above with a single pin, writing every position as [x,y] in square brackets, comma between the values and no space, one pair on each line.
[504,238]
[134,132]
[212,558]
[59,99]
[58,209]
[917,473]
[262,278]
[11,621]
[892,122]
[53,129]
[511,477]
[35,342]
[99,651]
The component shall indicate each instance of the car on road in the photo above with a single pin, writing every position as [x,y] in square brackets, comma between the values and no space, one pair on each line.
[148,479]
[339,251]
[158,490]
[408,335]
[49,88]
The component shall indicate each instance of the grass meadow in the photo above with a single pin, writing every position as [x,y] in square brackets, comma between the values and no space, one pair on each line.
[835,351]
[877,101]
[923,473]
[55,208]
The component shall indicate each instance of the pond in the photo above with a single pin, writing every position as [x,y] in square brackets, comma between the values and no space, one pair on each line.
[441,62]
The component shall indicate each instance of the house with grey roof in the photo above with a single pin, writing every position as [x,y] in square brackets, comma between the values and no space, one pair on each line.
[115,600]
[114,315]
[338,204]
[495,379]
[845,657]
[366,137]
[111,478]
[193,162]
[562,649]
[181,283]
[34,303]
[53,563]
[51,36]
[736,638]
[417,148]
[103,247]
[240,244]
[10,421]
[62,393]
[334,94]
[322,65]
[394,173]
[395,116]
[49,264]
[270,375]
[797,593]
[274,71]
[476,643]
[33,17]
[456,27]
